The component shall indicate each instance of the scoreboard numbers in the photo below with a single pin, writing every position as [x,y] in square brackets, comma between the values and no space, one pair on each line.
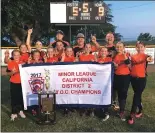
[75,11]
[78,12]
[85,7]
[100,11]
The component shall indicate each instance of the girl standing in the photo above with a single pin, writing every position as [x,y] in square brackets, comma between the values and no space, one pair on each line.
[103,58]
[33,60]
[121,77]
[15,86]
[86,56]
[68,56]
[138,80]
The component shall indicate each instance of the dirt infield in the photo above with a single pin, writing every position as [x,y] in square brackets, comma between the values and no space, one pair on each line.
[150,68]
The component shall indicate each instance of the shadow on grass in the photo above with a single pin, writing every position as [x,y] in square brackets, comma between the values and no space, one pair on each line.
[6,110]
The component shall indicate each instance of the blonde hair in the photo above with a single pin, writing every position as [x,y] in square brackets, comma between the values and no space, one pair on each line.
[38,42]
[49,47]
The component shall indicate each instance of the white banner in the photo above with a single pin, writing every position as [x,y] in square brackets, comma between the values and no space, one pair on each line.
[75,84]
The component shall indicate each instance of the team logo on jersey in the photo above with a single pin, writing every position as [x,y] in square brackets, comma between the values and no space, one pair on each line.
[36,84]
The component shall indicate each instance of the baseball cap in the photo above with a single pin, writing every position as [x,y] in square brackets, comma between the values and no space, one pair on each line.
[80,35]
[60,32]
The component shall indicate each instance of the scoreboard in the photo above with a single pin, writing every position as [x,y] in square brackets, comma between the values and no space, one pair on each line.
[78,12]
[87,12]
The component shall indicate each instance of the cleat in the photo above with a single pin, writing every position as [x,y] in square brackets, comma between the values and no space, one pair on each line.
[106,117]
[122,116]
[13,116]
[115,106]
[22,115]
[138,115]
[131,121]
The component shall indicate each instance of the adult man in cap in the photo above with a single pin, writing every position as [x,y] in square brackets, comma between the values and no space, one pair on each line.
[59,37]
[80,43]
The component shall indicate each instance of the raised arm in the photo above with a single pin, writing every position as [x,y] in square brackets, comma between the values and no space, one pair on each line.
[6,58]
[93,39]
[28,40]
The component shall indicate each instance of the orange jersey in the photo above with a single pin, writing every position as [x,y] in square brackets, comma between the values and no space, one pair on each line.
[69,59]
[58,54]
[138,68]
[15,78]
[53,59]
[122,68]
[34,62]
[42,54]
[84,57]
[106,59]
[24,57]
[93,48]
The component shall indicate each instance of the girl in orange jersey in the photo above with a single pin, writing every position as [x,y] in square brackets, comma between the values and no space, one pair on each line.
[50,58]
[35,57]
[86,56]
[15,85]
[138,79]
[103,58]
[59,49]
[68,56]
[38,44]
[34,60]
[25,53]
[121,77]
[103,53]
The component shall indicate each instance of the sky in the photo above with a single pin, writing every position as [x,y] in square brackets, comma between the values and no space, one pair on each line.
[133,17]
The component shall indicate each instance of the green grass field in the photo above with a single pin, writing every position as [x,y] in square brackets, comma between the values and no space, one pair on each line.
[74,122]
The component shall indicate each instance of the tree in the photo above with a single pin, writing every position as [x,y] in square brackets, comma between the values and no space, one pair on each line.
[118,37]
[144,37]
[19,15]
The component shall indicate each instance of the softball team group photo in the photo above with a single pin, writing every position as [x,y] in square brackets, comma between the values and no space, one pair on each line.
[128,69]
